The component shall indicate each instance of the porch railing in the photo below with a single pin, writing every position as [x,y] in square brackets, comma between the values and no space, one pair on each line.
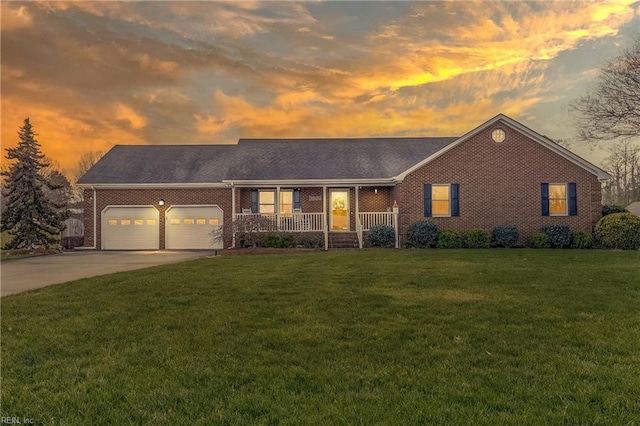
[370,219]
[296,222]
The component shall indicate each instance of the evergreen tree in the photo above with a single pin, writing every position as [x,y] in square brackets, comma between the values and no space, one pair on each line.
[29,216]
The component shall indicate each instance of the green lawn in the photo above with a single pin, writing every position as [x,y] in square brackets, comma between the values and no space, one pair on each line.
[393,337]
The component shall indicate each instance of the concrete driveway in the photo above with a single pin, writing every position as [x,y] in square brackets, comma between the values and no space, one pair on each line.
[26,274]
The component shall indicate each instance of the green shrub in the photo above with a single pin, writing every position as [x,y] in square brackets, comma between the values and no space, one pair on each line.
[559,235]
[581,240]
[449,240]
[612,208]
[381,236]
[619,231]
[539,240]
[476,238]
[278,240]
[309,240]
[504,236]
[422,234]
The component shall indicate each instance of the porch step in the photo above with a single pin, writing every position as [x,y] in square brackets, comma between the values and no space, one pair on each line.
[343,240]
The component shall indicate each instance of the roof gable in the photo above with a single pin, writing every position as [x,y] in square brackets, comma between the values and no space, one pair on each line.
[509,122]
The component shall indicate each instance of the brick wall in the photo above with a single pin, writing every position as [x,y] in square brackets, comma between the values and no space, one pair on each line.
[500,185]
[370,201]
[150,197]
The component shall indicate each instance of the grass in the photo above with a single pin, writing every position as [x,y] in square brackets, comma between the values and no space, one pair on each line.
[364,337]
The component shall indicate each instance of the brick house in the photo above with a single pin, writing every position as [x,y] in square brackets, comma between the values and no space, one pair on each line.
[500,173]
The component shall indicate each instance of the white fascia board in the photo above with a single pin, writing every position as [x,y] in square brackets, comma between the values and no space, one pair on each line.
[558,149]
[152,185]
[542,140]
[311,182]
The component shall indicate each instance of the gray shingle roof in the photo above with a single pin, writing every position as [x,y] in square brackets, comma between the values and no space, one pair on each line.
[263,159]
[134,164]
[372,158]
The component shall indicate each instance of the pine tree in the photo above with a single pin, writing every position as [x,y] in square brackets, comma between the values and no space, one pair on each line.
[29,216]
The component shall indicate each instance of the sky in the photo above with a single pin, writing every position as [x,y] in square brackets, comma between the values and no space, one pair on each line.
[91,75]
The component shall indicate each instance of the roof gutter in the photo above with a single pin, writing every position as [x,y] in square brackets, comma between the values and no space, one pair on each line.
[311,182]
[152,185]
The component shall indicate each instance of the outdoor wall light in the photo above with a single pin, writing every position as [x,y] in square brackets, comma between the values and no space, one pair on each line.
[161,202]
[375,190]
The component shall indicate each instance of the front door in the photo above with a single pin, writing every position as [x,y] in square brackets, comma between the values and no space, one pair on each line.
[339,210]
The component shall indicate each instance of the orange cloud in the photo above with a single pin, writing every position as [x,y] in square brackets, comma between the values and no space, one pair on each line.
[125,113]
[488,45]
[64,134]
[15,17]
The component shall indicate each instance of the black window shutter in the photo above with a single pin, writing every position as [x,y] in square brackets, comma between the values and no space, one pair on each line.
[427,200]
[544,199]
[296,199]
[573,199]
[455,199]
[254,201]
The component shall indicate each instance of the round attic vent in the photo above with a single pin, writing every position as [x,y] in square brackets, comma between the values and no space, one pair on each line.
[498,135]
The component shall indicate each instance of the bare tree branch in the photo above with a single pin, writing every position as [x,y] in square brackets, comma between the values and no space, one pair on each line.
[611,109]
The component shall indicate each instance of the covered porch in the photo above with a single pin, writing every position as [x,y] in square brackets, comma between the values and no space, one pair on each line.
[315,209]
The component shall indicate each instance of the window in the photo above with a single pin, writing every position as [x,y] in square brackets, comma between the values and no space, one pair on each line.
[214,221]
[112,222]
[201,221]
[188,221]
[151,222]
[264,201]
[267,202]
[125,222]
[175,221]
[138,222]
[286,201]
[441,200]
[559,199]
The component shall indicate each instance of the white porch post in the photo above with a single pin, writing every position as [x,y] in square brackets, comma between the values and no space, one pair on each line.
[395,223]
[276,208]
[324,218]
[233,216]
[357,221]
[357,204]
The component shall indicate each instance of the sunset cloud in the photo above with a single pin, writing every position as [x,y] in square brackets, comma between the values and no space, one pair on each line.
[17,17]
[125,113]
[105,73]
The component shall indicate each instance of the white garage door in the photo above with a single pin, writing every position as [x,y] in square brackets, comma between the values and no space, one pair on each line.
[130,228]
[189,227]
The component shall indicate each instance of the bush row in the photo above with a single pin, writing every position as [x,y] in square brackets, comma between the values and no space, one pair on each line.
[425,234]
[282,240]
[613,231]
